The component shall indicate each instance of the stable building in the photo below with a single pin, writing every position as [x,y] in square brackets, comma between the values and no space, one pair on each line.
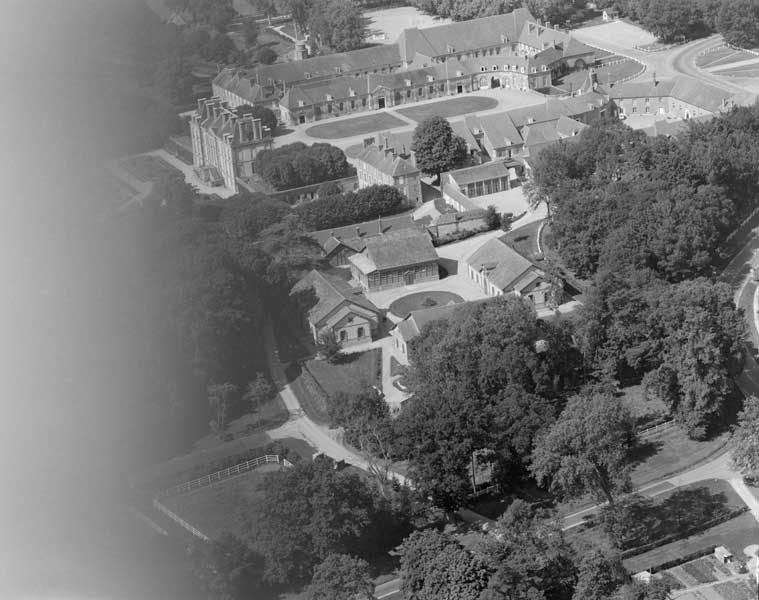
[395,259]
[498,269]
[332,305]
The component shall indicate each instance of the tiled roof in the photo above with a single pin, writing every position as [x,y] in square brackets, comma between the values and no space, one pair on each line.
[339,89]
[386,161]
[488,170]
[503,265]
[237,83]
[498,128]
[413,324]
[683,88]
[216,116]
[330,64]
[331,291]
[366,229]
[462,36]
[399,249]
[567,127]
[458,217]
[332,242]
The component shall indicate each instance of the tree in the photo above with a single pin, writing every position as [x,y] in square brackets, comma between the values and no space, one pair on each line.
[738,22]
[267,116]
[341,577]
[588,448]
[220,48]
[257,392]
[435,146]
[219,397]
[599,574]
[328,346]
[745,453]
[435,566]
[493,218]
[266,56]
[669,20]
[173,77]
[227,567]
[250,33]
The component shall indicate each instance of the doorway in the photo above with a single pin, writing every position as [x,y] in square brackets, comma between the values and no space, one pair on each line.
[495,82]
[381,102]
[459,89]
[408,278]
[301,119]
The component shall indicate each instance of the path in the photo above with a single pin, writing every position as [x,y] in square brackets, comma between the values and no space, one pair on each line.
[393,396]
[300,425]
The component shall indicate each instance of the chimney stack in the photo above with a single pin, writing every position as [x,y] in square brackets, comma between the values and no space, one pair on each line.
[358,231]
[368,142]
[389,152]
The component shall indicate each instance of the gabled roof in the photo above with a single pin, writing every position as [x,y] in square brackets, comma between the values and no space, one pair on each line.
[366,229]
[567,127]
[502,265]
[395,250]
[356,244]
[236,83]
[462,36]
[683,88]
[488,170]
[331,291]
[498,128]
[386,161]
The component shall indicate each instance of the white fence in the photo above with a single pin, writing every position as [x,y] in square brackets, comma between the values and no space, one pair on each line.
[212,478]
[180,521]
[656,429]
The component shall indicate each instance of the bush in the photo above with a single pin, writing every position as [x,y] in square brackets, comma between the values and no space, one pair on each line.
[267,116]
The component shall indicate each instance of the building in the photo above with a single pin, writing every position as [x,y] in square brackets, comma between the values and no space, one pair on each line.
[610,14]
[487,178]
[409,328]
[510,50]
[337,250]
[395,259]
[449,225]
[679,98]
[382,165]
[224,144]
[332,305]
[499,269]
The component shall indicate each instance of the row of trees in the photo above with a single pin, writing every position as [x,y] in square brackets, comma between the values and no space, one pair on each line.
[297,164]
[669,20]
[334,209]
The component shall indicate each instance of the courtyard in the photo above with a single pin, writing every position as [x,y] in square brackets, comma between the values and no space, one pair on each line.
[462,105]
[343,128]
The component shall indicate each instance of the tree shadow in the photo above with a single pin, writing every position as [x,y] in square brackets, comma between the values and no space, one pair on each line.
[645,450]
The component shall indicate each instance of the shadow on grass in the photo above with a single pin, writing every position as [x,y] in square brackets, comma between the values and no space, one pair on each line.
[645,450]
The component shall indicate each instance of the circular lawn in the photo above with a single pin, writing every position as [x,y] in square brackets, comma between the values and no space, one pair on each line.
[420,300]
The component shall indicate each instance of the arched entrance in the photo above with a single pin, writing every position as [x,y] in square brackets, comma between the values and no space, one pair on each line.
[495,82]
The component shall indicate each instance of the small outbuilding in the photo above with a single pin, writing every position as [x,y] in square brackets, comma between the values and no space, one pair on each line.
[723,555]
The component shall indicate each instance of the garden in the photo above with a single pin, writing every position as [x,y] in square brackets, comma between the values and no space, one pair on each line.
[402,307]
[363,125]
[146,167]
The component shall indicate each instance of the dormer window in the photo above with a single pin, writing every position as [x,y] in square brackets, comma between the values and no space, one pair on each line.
[450,49]
[459,73]
[543,68]
[338,70]
[430,78]
[308,75]
[351,92]
[495,67]
[329,98]
[521,70]
[483,69]
[301,104]
[408,82]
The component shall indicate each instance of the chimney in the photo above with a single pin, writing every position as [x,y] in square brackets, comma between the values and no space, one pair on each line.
[654,78]
[368,142]
[389,151]
[358,231]
[548,24]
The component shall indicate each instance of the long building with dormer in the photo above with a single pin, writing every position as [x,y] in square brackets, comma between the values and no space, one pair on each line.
[511,50]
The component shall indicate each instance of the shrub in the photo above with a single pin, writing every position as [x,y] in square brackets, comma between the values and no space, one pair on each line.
[266,56]
[345,209]
[296,165]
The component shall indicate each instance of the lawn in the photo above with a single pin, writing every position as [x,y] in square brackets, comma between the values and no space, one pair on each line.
[744,71]
[723,56]
[735,534]
[623,70]
[646,412]
[146,167]
[356,126]
[448,108]
[403,306]
[347,376]
[669,452]
[524,239]
[736,590]
[215,508]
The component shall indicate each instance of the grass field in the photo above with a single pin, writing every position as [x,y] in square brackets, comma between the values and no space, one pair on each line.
[346,377]
[371,123]
[147,167]
[216,508]
[403,306]
[742,71]
[670,451]
[524,239]
[723,56]
[735,534]
[644,411]
[448,108]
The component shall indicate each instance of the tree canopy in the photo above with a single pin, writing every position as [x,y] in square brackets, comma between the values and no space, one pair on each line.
[297,164]
[336,210]
[436,148]
[745,453]
[341,577]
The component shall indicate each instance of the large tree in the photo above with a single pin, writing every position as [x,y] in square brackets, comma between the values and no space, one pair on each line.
[738,22]
[745,453]
[436,148]
[338,24]
[341,577]
[434,566]
[588,450]
[267,116]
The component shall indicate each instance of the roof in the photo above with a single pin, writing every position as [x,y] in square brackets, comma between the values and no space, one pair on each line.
[412,325]
[215,116]
[366,229]
[237,83]
[357,244]
[673,128]
[462,36]
[331,291]
[498,128]
[487,170]
[396,250]
[330,64]
[457,217]
[386,161]
[687,89]
[503,265]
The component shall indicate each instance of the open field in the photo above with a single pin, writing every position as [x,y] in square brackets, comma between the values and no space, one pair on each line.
[403,306]
[748,71]
[215,508]
[384,26]
[723,56]
[448,108]
[735,534]
[147,167]
[616,33]
[371,123]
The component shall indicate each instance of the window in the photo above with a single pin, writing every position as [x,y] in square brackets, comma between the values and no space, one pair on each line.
[308,75]
[329,108]
[648,109]
[363,101]
[495,67]
[648,100]
[360,332]
[635,108]
[343,335]
[408,93]
[431,89]
[442,87]
[419,92]
[353,104]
